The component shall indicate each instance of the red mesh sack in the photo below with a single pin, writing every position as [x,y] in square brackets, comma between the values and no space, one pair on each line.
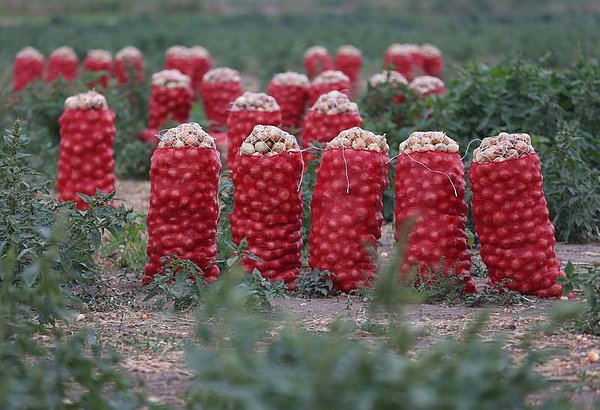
[328,81]
[267,208]
[394,80]
[347,208]
[511,216]
[86,157]
[406,59]
[219,87]
[348,60]
[27,67]
[332,113]
[291,92]
[63,63]
[427,85]
[129,60]
[433,63]
[184,206]
[201,64]
[430,184]
[98,61]
[193,62]
[316,61]
[170,99]
[249,110]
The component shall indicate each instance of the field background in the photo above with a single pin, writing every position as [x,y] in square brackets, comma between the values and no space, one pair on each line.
[263,37]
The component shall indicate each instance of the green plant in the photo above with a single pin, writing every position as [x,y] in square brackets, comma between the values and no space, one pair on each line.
[244,361]
[315,283]
[587,281]
[182,283]
[47,247]
[129,244]
[572,187]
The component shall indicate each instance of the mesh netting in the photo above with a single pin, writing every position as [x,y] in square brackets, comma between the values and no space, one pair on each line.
[290,90]
[357,138]
[427,85]
[511,217]
[502,147]
[28,66]
[428,141]
[268,140]
[91,100]
[185,135]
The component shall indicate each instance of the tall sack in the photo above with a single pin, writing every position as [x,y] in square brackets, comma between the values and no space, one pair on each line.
[430,185]
[184,205]
[267,208]
[347,207]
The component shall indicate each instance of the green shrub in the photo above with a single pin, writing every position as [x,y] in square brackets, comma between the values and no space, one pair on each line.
[45,248]
[245,361]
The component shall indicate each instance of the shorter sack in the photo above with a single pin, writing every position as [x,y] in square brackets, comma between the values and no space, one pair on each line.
[63,63]
[348,60]
[86,157]
[27,67]
[241,122]
[98,61]
[216,98]
[316,61]
[292,101]
[129,60]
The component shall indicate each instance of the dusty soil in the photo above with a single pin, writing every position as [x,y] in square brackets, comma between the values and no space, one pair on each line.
[151,341]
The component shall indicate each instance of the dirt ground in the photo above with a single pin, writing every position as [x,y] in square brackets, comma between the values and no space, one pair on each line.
[151,341]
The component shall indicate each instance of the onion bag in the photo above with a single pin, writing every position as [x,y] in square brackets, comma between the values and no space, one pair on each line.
[331,114]
[407,59]
[129,60]
[348,60]
[433,62]
[316,61]
[292,101]
[63,63]
[99,61]
[512,221]
[430,185]
[200,66]
[427,85]
[170,99]
[86,157]
[319,127]
[181,63]
[347,209]
[28,66]
[268,210]
[247,111]
[184,206]
[216,98]
[316,90]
